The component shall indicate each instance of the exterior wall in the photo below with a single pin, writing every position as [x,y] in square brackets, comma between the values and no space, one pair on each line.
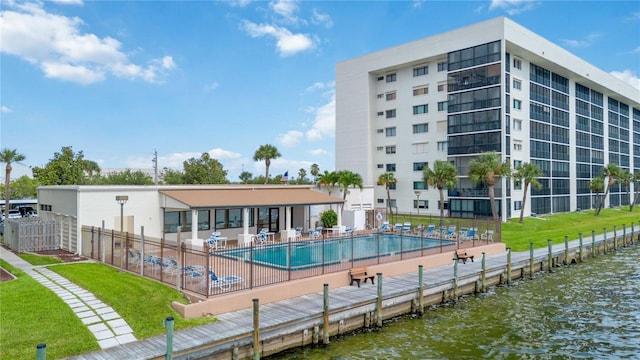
[363,132]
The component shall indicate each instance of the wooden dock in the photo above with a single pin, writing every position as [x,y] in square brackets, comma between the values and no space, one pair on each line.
[299,321]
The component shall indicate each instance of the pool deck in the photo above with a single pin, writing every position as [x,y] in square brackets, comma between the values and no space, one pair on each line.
[295,321]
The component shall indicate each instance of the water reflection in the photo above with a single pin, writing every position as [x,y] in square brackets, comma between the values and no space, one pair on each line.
[587,311]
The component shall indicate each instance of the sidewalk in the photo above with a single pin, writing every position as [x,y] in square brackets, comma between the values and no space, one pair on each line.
[108,327]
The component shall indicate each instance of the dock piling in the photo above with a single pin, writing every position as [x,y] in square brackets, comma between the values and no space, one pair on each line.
[509,266]
[420,289]
[550,257]
[256,329]
[531,259]
[580,258]
[593,243]
[483,275]
[325,314]
[379,302]
[168,323]
[41,351]
[566,250]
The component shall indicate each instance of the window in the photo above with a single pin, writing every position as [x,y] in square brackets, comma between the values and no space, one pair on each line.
[391,149]
[423,90]
[442,145]
[443,105]
[422,70]
[442,66]
[517,124]
[517,184]
[420,109]
[391,77]
[391,167]
[517,164]
[419,148]
[423,204]
[517,104]
[380,148]
[380,96]
[380,166]
[419,185]
[517,84]
[517,145]
[390,113]
[419,166]
[390,131]
[442,86]
[380,201]
[380,131]
[517,63]
[380,113]
[380,78]
[517,205]
[420,128]
[393,186]
[391,95]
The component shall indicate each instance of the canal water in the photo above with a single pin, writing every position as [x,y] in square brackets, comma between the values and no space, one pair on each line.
[584,311]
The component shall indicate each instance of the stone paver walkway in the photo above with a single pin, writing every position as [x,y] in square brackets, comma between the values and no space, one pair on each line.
[108,327]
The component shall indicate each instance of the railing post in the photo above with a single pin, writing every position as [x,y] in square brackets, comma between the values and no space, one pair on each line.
[325,314]
[420,290]
[604,236]
[632,231]
[550,247]
[509,266]
[566,250]
[615,238]
[168,323]
[379,301]
[593,243]
[580,258]
[41,351]
[256,329]
[531,259]
[624,235]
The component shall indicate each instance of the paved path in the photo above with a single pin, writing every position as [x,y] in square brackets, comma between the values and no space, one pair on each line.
[109,328]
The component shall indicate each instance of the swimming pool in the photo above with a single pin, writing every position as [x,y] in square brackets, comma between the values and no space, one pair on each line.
[311,254]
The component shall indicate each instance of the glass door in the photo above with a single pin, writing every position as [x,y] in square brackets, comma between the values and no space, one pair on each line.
[274,223]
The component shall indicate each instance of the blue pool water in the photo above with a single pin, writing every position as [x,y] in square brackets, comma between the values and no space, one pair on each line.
[309,254]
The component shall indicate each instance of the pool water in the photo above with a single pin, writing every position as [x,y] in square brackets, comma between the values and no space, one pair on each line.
[309,254]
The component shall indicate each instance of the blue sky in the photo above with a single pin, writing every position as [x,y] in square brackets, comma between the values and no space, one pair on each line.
[120,79]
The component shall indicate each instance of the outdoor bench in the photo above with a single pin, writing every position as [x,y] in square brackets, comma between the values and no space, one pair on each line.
[462,255]
[360,273]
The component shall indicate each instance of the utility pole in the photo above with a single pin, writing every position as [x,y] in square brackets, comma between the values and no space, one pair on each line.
[155,167]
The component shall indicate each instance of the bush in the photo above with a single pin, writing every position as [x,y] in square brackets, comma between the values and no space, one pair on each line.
[329,219]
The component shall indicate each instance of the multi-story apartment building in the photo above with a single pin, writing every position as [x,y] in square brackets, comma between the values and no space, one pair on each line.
[492,86]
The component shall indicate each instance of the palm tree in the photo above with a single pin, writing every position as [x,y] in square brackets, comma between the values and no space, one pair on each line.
[611,172]
[266,152]
[529,173]
[486,169]
[387,179]
[597,185]
[302,173]
[245,177]
[315,170]
[329,180]
[9,156]
[625,179]
[443,175]
[348,178]
[635,178]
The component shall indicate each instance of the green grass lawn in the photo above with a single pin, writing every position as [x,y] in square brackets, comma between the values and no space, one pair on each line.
[31,314]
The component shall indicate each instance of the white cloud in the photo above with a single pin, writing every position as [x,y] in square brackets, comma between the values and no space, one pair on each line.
[240,3]
[5,109]
[211,86]
[290,138]
[318,152]
[68,2]
[586,42]
[324,123]
[57,46]
[321,19]
[286,9]
[629,77]
[221,154]
[513,7]
[417,3]
[636,50]
[287,42]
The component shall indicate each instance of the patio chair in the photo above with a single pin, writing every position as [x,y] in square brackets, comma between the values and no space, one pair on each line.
[397,227]
[350,230]
[224,282]
[430,231]
[406,227]
[451,232]
[315,234]
[487,235]
[134,257]
[214,241]
[470,235]
[385,226]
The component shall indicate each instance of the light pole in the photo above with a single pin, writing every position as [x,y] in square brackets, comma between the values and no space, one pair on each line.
[122,199]
[418,192]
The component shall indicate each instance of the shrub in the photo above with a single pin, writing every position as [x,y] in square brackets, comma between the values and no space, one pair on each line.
[329,218]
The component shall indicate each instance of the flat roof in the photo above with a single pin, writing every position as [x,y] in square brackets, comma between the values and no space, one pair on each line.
[249,197]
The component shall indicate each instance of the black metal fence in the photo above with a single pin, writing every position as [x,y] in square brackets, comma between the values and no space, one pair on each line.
[208,272]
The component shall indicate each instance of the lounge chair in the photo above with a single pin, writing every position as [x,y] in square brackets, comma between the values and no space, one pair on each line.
[487,235]
[350,230]
[315,234]
[470,235]
[224,282]
[431,231]
[451,232]
[385,226]
[406,227]
[215,241]
[397,227]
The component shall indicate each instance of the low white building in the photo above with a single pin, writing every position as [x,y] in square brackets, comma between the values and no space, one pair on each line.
[236,211]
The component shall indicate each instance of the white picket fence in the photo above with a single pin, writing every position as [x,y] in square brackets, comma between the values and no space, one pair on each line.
[31,234]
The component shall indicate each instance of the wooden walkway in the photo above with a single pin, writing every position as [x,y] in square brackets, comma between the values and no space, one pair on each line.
[293,316]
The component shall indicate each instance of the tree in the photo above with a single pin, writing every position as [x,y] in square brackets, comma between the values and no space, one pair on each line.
[127,177]
[625,178]
[636,187]
[597,185]
[347,178]
[302,174]
[245,177]
[204,170]
[529,174]
[387,180]
[172,177]
[611,172]
[267,153]
[9,156]
[24,187]
[92,171]
[66,168]
[328,180]
[487,169]
[329,218]
[315,170]
[443,175]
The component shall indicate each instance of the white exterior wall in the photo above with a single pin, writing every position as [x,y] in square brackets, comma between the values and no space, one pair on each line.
[357,105]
